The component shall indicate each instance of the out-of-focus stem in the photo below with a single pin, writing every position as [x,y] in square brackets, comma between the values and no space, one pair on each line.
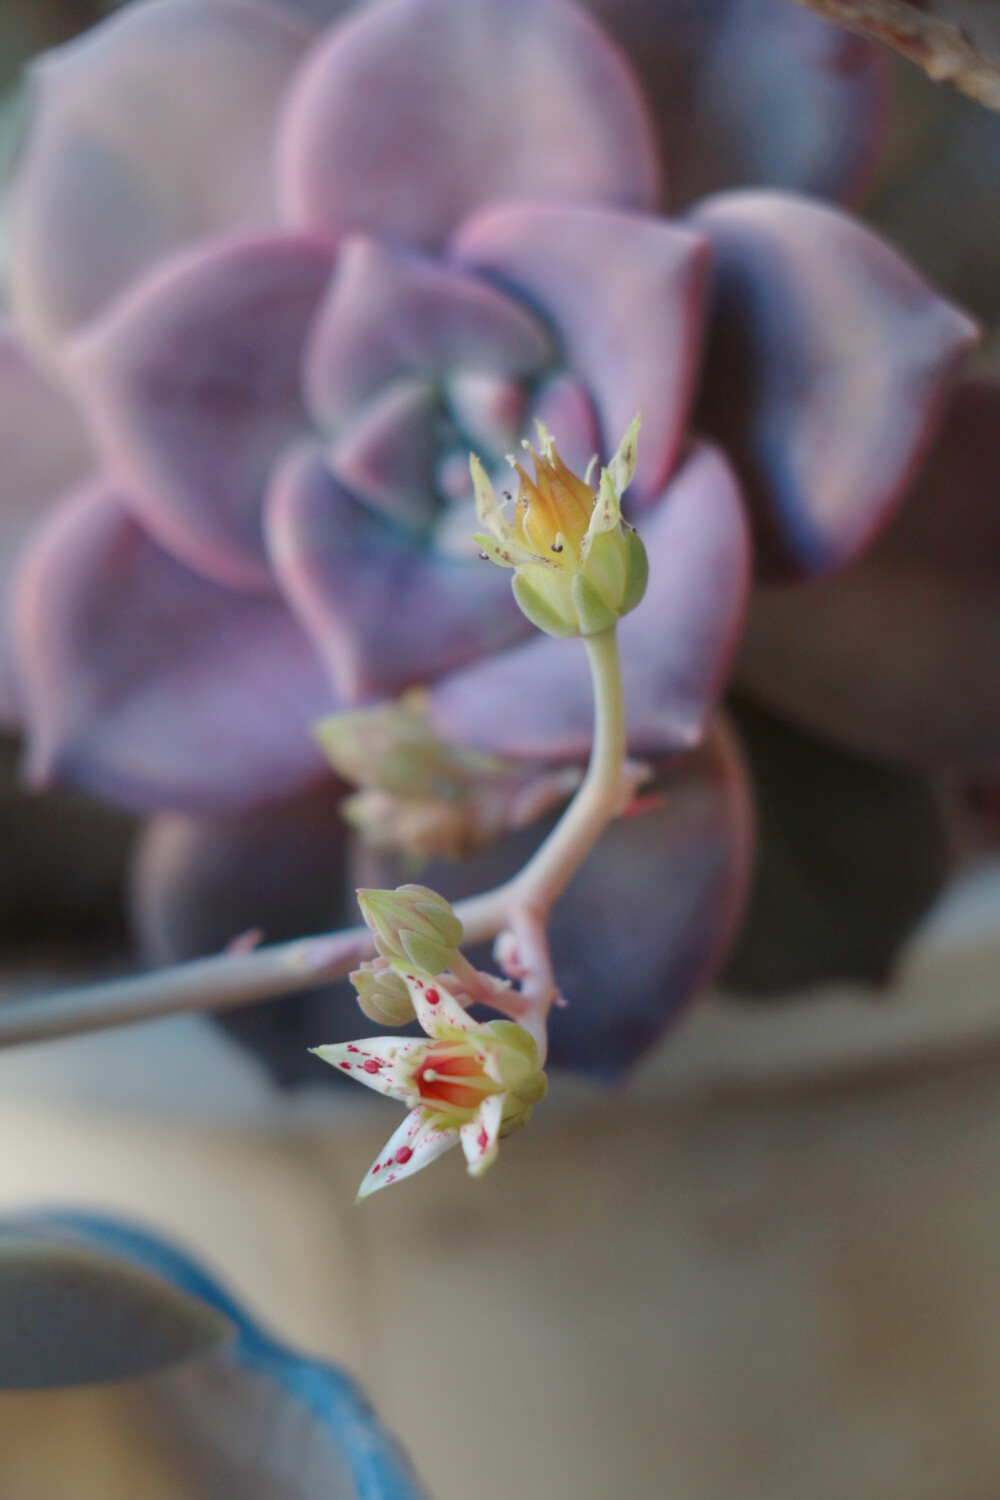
[945,52]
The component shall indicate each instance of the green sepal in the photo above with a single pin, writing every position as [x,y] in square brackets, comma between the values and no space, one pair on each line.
[517,1038]
[539,612]
[636,570]
[515,1116]
[605,566]
[594,611]
[429,955]
[533,1089]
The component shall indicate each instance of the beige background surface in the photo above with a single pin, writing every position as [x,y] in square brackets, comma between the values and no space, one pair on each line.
[767,1270]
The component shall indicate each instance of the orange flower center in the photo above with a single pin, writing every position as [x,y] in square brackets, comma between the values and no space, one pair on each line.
[453,1076]
[553,509]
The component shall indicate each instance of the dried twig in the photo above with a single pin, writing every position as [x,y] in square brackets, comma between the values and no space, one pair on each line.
[944,51]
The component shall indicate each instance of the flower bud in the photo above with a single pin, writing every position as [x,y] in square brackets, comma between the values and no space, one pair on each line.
[414,927]
[393,748]
[382,993]
[578,567]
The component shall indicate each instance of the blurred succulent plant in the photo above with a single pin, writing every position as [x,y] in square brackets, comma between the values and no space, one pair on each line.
[255,333]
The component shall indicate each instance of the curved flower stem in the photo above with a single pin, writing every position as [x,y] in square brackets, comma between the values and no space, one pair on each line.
[521,906]
[550,869]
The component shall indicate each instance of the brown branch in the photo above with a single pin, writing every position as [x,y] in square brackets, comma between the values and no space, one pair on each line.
[945,52]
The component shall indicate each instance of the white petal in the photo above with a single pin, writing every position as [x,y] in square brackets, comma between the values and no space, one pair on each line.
[480,1137]
[382,1063]
[487,505]
[621,469]
[504,554]
[417,1142]
[606,513]
[438,1012]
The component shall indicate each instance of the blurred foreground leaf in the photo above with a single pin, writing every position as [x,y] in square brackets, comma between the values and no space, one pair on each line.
[71,1315]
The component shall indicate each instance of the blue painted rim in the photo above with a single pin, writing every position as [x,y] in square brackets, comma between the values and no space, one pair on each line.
[378,1466]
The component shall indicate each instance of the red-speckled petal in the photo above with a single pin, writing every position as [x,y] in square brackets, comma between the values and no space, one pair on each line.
[438,1012]
[192,384]
[676,646]
[896,657]
[480,1136]
[382,612]
[626,295]
[146,133]
[829,362]
[150,686]
[417,1142]
[416,112]
[380,1063]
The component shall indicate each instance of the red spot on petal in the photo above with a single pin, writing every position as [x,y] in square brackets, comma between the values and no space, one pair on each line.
[432,997]
[346,1067]
[371,1065]
[484,1140]
[377,1167]
[403,1155]
[352,1049]
[391,1177]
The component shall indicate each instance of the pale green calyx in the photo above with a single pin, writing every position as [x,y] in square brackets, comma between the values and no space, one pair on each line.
[578,567]
[413,927]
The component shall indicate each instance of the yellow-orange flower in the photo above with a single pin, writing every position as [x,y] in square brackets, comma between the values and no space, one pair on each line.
[578,567]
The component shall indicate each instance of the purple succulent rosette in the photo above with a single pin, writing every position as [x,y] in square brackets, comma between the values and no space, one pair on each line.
[282,268]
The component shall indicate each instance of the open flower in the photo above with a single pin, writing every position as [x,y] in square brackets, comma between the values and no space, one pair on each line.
[577,567]
[257,332]
[472,1083]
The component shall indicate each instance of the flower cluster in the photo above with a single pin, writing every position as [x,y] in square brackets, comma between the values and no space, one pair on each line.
[254,338]
[470,1083]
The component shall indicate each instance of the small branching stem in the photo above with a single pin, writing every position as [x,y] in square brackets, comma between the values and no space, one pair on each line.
[518,909]
[944,51]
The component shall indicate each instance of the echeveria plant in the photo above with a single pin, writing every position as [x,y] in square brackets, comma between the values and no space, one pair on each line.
[272,273]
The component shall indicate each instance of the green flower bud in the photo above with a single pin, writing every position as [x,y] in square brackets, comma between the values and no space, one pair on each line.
[393,748]
[382,994]
[414,927]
